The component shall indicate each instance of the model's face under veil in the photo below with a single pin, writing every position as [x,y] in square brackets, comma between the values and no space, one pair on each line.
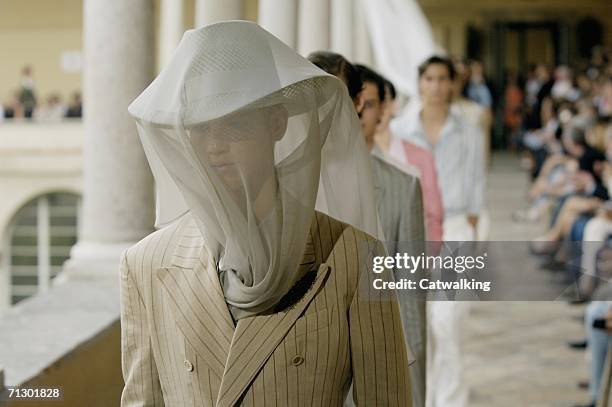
[239,149]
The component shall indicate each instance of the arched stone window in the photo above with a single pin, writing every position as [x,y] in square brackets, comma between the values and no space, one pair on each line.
[40,238]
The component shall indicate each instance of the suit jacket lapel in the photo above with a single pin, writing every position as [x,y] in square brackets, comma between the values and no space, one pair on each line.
[234,353]
[255,339]
[197,301]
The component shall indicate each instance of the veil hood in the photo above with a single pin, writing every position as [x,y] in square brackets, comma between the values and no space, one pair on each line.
[250,137]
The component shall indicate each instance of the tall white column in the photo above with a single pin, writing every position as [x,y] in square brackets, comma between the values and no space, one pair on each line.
[118,199]
[362,45]
[313,26]
[213,11]
[280,18]
[342,27]
[170,29]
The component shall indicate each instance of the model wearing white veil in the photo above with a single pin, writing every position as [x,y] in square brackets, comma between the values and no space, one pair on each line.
[263,290]
[249,138]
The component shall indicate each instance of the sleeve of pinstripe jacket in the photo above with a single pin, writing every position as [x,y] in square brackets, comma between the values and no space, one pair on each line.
[142,387]
[378,350]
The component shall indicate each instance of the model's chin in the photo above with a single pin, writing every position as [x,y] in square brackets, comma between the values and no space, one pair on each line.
[229,176]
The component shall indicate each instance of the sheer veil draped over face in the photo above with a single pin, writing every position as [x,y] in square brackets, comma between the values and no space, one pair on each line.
[250,138]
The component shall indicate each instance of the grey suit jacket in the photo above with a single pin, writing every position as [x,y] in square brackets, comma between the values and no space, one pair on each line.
[400,209]
[180,346]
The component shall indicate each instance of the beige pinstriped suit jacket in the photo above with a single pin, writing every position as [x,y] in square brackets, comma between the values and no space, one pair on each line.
[180,346]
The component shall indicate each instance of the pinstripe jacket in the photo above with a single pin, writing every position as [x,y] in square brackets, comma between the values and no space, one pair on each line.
[180,346]
[400,208]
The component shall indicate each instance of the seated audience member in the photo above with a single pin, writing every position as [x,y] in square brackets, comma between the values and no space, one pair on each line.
[13,108]
[571,150]
[52,111]
[75,109]
[586,191]
[543,142]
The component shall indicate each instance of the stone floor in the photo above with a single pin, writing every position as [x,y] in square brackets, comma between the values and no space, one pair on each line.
[516,351]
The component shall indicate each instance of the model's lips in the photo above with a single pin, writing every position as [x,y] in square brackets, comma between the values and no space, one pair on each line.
[224,168]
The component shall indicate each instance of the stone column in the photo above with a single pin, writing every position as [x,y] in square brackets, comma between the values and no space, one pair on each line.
[313,26]
[342,27]
[118,199]
[213,11]
[170,29]
[362,46]
[280,18]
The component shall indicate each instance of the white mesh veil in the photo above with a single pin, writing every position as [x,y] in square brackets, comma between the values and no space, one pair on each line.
[242,132]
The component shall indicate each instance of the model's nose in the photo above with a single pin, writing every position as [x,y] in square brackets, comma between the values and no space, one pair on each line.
[216,144]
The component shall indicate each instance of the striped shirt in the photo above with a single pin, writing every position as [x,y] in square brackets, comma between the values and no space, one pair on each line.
[459,159]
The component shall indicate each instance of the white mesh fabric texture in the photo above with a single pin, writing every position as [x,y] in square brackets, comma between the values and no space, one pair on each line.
[249,137]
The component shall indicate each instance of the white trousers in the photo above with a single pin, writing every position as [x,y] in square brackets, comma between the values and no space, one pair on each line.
[446,385]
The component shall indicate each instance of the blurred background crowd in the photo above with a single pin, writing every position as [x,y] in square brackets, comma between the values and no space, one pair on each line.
[26,103]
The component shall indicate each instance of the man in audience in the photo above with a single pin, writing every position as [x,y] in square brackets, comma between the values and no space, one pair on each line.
[588,192]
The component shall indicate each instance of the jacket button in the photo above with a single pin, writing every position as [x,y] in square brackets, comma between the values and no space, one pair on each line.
[297,360]
[188,365]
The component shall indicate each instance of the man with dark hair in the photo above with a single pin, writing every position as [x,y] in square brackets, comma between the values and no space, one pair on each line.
[458,153]
[447,134]
[400,207]
[337,65]
[372,99]
[399,201]
[369,76]
[438,60]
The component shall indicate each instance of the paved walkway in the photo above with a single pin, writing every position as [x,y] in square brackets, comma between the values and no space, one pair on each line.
[516,351]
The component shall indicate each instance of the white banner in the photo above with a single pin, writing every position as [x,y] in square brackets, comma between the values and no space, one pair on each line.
[401,40]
